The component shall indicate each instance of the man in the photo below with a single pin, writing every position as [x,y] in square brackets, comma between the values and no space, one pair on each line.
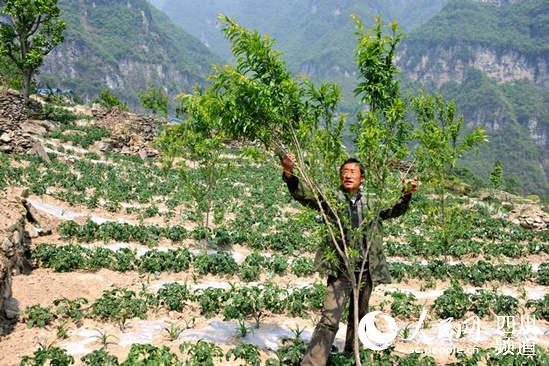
[339,289]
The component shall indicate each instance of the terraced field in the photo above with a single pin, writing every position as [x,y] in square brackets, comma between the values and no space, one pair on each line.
[125,272]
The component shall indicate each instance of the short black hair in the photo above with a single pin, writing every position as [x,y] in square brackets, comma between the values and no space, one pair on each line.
[352,160]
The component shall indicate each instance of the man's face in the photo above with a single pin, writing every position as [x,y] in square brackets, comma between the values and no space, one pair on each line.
[351,179]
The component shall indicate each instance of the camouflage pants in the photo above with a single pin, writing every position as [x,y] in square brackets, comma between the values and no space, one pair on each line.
[339,292]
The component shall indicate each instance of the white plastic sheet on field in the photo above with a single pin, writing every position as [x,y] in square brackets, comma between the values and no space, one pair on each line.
[238,257]
[79,347]
[64,214]
[143,332]
[532,293]
[73,157]
[267,336]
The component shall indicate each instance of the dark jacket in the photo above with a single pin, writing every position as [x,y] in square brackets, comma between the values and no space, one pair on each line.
[357,208]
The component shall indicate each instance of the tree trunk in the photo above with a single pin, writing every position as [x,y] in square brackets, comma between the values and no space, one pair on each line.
[357,320]
[209,200]
[27,79]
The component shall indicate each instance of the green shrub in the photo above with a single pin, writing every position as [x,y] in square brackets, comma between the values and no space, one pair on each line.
[100,357]
[48,355]
[109,101]
[38,316]
[201,353]
[453,302]
[146,354]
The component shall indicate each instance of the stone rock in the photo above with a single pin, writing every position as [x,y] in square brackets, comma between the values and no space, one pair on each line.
[11,308]
[12,106]
[32,231]
[131,133]
[143,154]
[39,150]
[6,245]
[18,192]
[13,139]
[5,137]
[33,128]
[148,153]
[12,241]
[103,145]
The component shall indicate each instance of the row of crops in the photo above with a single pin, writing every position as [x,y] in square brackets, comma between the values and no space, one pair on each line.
[255,195]
[65,258]
[203,353]
[288,241]
[256,302]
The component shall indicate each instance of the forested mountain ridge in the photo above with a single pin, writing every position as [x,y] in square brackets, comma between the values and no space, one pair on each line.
[316,36]
[125,46]
[507,43]
[493,59]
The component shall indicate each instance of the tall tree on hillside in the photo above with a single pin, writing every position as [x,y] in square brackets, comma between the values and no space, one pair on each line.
[496,176]
[29,30]
[154,100]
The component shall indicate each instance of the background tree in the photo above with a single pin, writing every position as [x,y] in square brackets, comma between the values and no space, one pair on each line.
[440,145]
[154,100]
[109,101]
[33,30]
[496,176]
[197,139]
[9,74]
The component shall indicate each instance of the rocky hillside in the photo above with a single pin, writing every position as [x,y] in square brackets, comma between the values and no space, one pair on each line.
[493,58]
[317,36]
[508,43]
[126,46]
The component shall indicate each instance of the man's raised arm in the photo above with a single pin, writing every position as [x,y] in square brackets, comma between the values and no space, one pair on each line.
[402,206]
[297,189]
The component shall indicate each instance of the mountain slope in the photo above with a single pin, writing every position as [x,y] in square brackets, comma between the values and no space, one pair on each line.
[316,36]
[493,60]
[127,46]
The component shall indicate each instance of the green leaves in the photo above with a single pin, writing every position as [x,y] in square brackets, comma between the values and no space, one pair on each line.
[109,101]
[440,146]
[100,357]
[258,100]
[174,296]
[540,307]
[119,305]
[202,353]
[48,355]
[247,353]
[38,316]
[33,31]
[154,100]
[454,302]
[146,354]
[219,263]
[404,305]
[83,136]
[374,57]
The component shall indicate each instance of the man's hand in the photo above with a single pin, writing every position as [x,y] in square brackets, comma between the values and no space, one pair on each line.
[410,185]
[288,163]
